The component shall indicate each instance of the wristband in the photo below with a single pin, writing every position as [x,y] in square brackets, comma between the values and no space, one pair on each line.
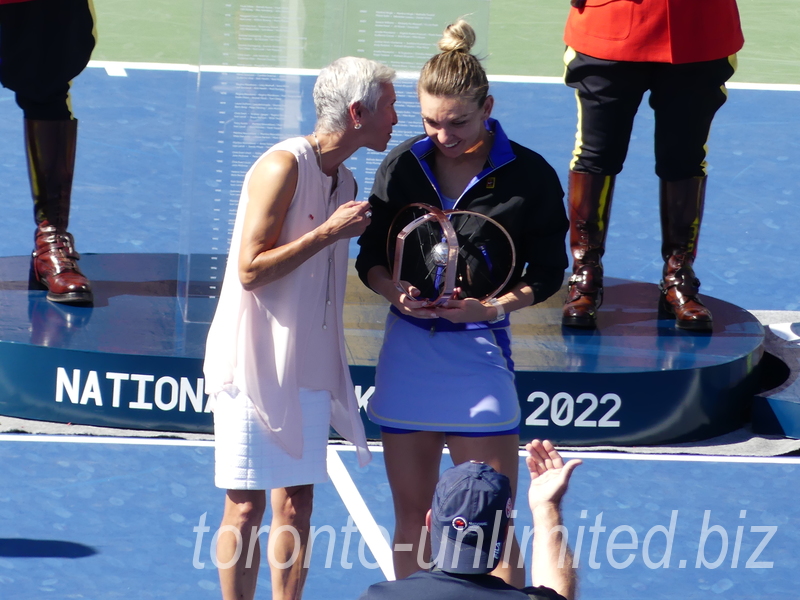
[501,312]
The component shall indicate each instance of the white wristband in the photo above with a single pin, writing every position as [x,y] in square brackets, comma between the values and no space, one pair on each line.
[501,312]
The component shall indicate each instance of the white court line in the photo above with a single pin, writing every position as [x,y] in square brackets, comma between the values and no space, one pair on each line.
[769,87]
[333,448]
[119,69]
[680,457]
[91,439]
[357,508]
[655,457]
[525,79]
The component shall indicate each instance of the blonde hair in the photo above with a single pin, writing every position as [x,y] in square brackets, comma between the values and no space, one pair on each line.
[455,71]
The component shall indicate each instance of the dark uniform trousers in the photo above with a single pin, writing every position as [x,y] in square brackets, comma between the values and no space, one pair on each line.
[44,44]
[684,98]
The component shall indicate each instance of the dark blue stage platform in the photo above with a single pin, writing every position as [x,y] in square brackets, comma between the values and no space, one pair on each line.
[134,361]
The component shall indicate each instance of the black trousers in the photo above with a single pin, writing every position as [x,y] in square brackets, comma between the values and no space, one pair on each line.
[44,44]
[684,98]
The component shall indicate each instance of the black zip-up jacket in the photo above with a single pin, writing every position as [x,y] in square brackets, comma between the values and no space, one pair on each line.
[517,188]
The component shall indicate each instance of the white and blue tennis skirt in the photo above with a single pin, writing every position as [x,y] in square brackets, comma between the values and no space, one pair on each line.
[449,381]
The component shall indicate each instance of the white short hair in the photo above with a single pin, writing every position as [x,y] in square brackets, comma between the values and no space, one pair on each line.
[346,81]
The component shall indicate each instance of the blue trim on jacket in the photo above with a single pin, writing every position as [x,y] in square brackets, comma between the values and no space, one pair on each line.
[501,154]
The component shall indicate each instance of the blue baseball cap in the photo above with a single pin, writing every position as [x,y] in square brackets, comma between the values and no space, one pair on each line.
[471,508]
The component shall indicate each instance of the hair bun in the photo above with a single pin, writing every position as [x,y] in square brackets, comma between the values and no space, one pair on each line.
[457,37]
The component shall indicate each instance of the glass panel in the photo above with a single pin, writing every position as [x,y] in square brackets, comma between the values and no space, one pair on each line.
[257,67]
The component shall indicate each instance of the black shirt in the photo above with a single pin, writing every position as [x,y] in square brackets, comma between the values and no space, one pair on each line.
[438,585]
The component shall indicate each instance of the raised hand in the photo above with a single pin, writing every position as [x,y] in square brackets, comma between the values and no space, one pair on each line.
[549,475]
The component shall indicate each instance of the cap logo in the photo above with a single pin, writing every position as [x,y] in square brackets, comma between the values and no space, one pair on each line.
[459,523]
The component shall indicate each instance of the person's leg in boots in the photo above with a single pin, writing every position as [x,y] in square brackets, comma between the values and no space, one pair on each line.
[44,44]
[608,94]
[685,99]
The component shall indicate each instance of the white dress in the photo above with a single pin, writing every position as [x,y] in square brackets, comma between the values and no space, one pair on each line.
[287,335]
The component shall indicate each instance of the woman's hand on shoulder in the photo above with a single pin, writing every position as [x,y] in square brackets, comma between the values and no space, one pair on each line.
[349,220]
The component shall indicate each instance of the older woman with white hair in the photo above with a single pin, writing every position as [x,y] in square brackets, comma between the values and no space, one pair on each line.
[275,359]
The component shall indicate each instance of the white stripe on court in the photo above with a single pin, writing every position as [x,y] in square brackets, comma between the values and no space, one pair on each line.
[92,439]
[525,79]
[334,448]
[357,508]
[677,457]
[768,87]
[788,460]
[115,70]
[120,68]
[123,66]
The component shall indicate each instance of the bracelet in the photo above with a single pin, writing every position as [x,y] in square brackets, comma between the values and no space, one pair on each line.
[501,312]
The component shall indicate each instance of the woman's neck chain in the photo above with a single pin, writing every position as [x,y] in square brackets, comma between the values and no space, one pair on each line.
[318,148]
[330,248]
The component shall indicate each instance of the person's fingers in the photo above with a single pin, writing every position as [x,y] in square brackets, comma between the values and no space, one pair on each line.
[569,468]
[542,453]
[411,291]
[553,454]
[532,467]
[349,205]
[536,458]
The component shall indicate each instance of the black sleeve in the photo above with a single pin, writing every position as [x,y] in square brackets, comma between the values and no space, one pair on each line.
[544,248]
[373,241]
[399,181]
[542,593]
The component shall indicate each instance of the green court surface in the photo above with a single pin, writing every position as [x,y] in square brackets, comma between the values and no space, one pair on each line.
[524,36]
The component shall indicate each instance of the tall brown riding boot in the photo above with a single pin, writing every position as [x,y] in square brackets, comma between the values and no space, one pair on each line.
[681,214]
[589,209]
[51,162]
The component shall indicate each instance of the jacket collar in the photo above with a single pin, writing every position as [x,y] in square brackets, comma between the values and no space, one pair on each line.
[501,154]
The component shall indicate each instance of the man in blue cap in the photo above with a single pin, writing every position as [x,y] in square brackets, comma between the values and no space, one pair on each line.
[468,520]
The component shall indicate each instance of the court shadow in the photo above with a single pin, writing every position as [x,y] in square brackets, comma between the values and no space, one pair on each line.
[28,548]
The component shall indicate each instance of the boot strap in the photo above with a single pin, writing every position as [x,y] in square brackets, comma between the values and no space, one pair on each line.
[57,242]
[685,291]
[587,279]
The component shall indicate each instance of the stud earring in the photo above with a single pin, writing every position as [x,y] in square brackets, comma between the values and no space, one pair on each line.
[358,126]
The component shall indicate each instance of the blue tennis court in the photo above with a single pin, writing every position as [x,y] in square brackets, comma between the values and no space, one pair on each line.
[162,150]
[128,518]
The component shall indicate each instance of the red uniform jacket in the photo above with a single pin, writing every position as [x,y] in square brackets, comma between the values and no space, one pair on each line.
[668,31]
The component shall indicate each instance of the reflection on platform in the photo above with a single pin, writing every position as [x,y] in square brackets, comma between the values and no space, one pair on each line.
[134,361]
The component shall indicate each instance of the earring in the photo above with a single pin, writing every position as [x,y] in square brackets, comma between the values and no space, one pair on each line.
[357,126]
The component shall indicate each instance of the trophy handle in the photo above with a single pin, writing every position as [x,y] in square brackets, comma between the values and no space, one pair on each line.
[510,245]
[450,239]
